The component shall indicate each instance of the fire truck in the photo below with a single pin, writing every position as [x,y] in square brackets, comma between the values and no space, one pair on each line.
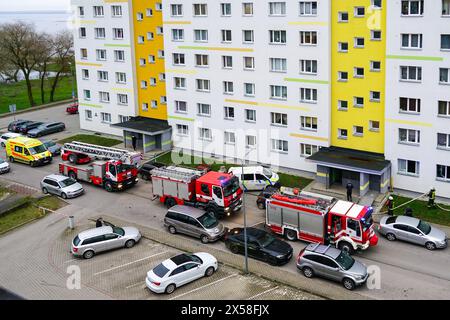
[80,152]
[317,218]
[216,192]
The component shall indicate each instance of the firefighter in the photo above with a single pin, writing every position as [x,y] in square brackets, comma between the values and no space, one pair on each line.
[99,222]
[431,198]
[133,142]
[349,188]
[390,205]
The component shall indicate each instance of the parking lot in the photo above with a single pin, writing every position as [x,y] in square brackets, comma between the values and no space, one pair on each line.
[121,274]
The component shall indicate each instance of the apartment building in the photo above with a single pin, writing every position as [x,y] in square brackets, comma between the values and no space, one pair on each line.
[418,95]
[249,79]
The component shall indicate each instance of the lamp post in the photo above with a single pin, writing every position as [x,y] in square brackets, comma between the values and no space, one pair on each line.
[245,216]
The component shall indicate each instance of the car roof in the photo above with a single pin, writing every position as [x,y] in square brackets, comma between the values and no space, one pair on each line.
[326,250]
[28,142]
[248,169]
[95,232]
[252,232]
[408,220]
[56,177]
[11,134]
[188,210]
[181,259]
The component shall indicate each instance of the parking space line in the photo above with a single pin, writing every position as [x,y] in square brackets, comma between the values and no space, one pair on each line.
[261,293]
[127,264]
[71,260]
[136,285]
[206,285]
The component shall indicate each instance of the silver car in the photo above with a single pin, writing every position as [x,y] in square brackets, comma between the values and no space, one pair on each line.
[412,230]
[87,243]
[334,264]
[61,186]
[194,222]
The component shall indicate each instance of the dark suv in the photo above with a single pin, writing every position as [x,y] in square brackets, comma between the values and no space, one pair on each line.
[264,195]
[14,126]
[24,128]
[144,170]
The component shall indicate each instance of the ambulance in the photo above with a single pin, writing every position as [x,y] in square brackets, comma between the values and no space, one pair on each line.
[27,150]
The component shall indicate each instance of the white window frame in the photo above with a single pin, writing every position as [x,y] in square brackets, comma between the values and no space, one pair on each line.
[418,73]
[229,137]
[277,37]
[227,114]
[308,123]
[181,106]
[203,109]
[250,115]
[278,92]
[412,136]
[400,170]
[182,130]
[410,107]
[308,66]
[203,85]
[281,62]
[278,145]
[312,35]
[308,8]
[279,119]
[307,149]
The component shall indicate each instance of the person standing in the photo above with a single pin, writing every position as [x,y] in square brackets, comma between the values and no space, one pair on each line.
[133,142]
[349,188]
[390,205]
[99,222]
[431,198]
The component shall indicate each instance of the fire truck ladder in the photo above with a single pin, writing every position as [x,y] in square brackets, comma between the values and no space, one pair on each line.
[174,174]
[322,202]
[96,151]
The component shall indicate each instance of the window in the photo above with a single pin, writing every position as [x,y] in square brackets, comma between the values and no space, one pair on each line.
[118,33]
[277,36]
[230,137]
[123,118]
[226,36]
[250,141]
[409,136]
[375,35]
[376,4]
[308,95]
[116,11]
[228,87]
[225,9]
[87,94]
[343,16]
[227,62]
[446,7]
[308,8]
[342,105]
[99,33]
[122,99]
[119,55]
[180,106]
[445,41]
[444,76]
[278,65]
[151,58]
[162,76]
[229,112]
[279,119]
[102,75]
[411,40]
[200,9]
[249,89]
[308,66]
[342,76]
[358,102]
[85,74]
[203,85]
[98,11]
[408,167]
[374,126]
[204,109]
[149,12]
[201,35]
[358,72]
[81,11]
[410,73]
[101,54]
[139,16]
[308,123]
[358,131]
[182,130]
[205,134]
[154,104]
[278,92]
[150,36]
[375,66]
[277,8]
[444,108]
[250,115]
[142,62]
[153,82]
[106,117]
[159,30]
[121,77]
[158,6]
[141,39]
[248,36]
[83,53]
[308,37]
[177,34]
[359,12]
[343,46]
[176,10]
[307,150]
[144,106]
[88,114]
[143,84]
[375,96]
[104,96]
[342,134]
[409,105]
[247,9]
[178,59]
[82,32]
[249,63]
[412,8]
[279,145]
[443,141]
[359,42]
[180,83]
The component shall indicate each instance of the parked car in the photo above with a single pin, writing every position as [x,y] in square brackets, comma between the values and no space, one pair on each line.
[90,242]
[264,195]
[46,128]
[261,245]
[72,108]
[412,230]
[144,169]
[194,222]
[255,177]
[6,136]
[331,263]
[54,148]
[180,270]
[13,126]
[4,166]
[25,127]
[61,186]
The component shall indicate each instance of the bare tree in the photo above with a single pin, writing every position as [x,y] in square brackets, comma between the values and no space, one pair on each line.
[63,57]
[45,52]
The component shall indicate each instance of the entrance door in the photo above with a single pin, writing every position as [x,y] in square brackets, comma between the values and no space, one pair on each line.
[335,176]
[158,142]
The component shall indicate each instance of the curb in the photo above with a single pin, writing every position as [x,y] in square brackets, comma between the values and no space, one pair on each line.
[36,108]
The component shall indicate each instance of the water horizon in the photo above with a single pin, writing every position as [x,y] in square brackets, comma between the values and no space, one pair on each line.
[51,21]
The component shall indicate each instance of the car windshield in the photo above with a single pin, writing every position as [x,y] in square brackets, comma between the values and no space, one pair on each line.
[49,144]
[67,182]
[119,231]
[194,258]
[424,227]
[123,167]
[345,261]
[160,270]
[231,186]
[265,240]
[208,220]
[38,149]
[367,221]
[76,241]
[267,172]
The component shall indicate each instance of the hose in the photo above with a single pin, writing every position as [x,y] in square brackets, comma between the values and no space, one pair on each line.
[404,204]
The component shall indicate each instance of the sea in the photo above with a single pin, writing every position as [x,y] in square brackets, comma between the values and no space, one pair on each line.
[47,21]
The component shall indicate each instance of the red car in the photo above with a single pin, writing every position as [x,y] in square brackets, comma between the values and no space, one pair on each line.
[72,108]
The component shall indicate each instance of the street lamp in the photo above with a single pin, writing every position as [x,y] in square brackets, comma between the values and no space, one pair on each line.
[245,215]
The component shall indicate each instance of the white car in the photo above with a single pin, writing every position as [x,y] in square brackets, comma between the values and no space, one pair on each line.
[180,270]
[6,136]
[4,166]
[255,177]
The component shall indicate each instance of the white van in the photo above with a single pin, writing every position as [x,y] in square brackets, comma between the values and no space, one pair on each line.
[255,177]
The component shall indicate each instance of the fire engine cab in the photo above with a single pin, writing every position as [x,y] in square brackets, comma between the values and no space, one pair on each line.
[216,192]
[317,218]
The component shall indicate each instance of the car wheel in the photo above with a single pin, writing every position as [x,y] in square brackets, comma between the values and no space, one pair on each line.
[204,239]
[271,260]
[308,272]
[44,190]
[346,247]
[73,158]
[234,248]
[32,164]
[108,186]
[348,283]
[73,175]
[209,272]
[170,288]
[172,230]
[291,235]
[63,195]
[170,202]
[261,205]
[430,246]
[391,236]
[130,244]
[88,254]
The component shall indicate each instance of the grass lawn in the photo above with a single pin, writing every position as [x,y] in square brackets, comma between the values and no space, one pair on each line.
[28,212]
[286,180]
[421,211]
[93,139]
[16,93]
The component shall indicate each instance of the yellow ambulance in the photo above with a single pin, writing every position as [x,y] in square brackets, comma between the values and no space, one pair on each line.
[27,150]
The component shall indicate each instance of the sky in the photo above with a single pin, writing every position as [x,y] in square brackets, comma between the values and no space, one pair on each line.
[32,5]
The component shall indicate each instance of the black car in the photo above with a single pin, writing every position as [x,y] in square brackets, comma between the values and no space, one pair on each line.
[14,126]
[264,195]
[261,245]
[25,127]
[144,170]
[46,128]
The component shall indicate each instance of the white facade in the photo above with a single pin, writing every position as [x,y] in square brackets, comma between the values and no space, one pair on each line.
[258,26]
[423,49]
[104,77]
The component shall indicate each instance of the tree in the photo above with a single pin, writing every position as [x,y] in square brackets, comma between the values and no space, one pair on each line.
[63,57]
[45,53]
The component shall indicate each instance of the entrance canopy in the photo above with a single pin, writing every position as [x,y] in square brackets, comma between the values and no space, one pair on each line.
[144,125]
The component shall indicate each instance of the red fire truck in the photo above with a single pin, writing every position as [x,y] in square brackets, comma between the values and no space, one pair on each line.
[318,218]
[216,192]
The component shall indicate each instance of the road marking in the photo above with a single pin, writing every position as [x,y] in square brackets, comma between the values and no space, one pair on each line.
[71,260]
[206,285]
[260,294]
[135,285]
[127,264]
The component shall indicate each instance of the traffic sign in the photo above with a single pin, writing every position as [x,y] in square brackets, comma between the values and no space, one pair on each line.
[12,108]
